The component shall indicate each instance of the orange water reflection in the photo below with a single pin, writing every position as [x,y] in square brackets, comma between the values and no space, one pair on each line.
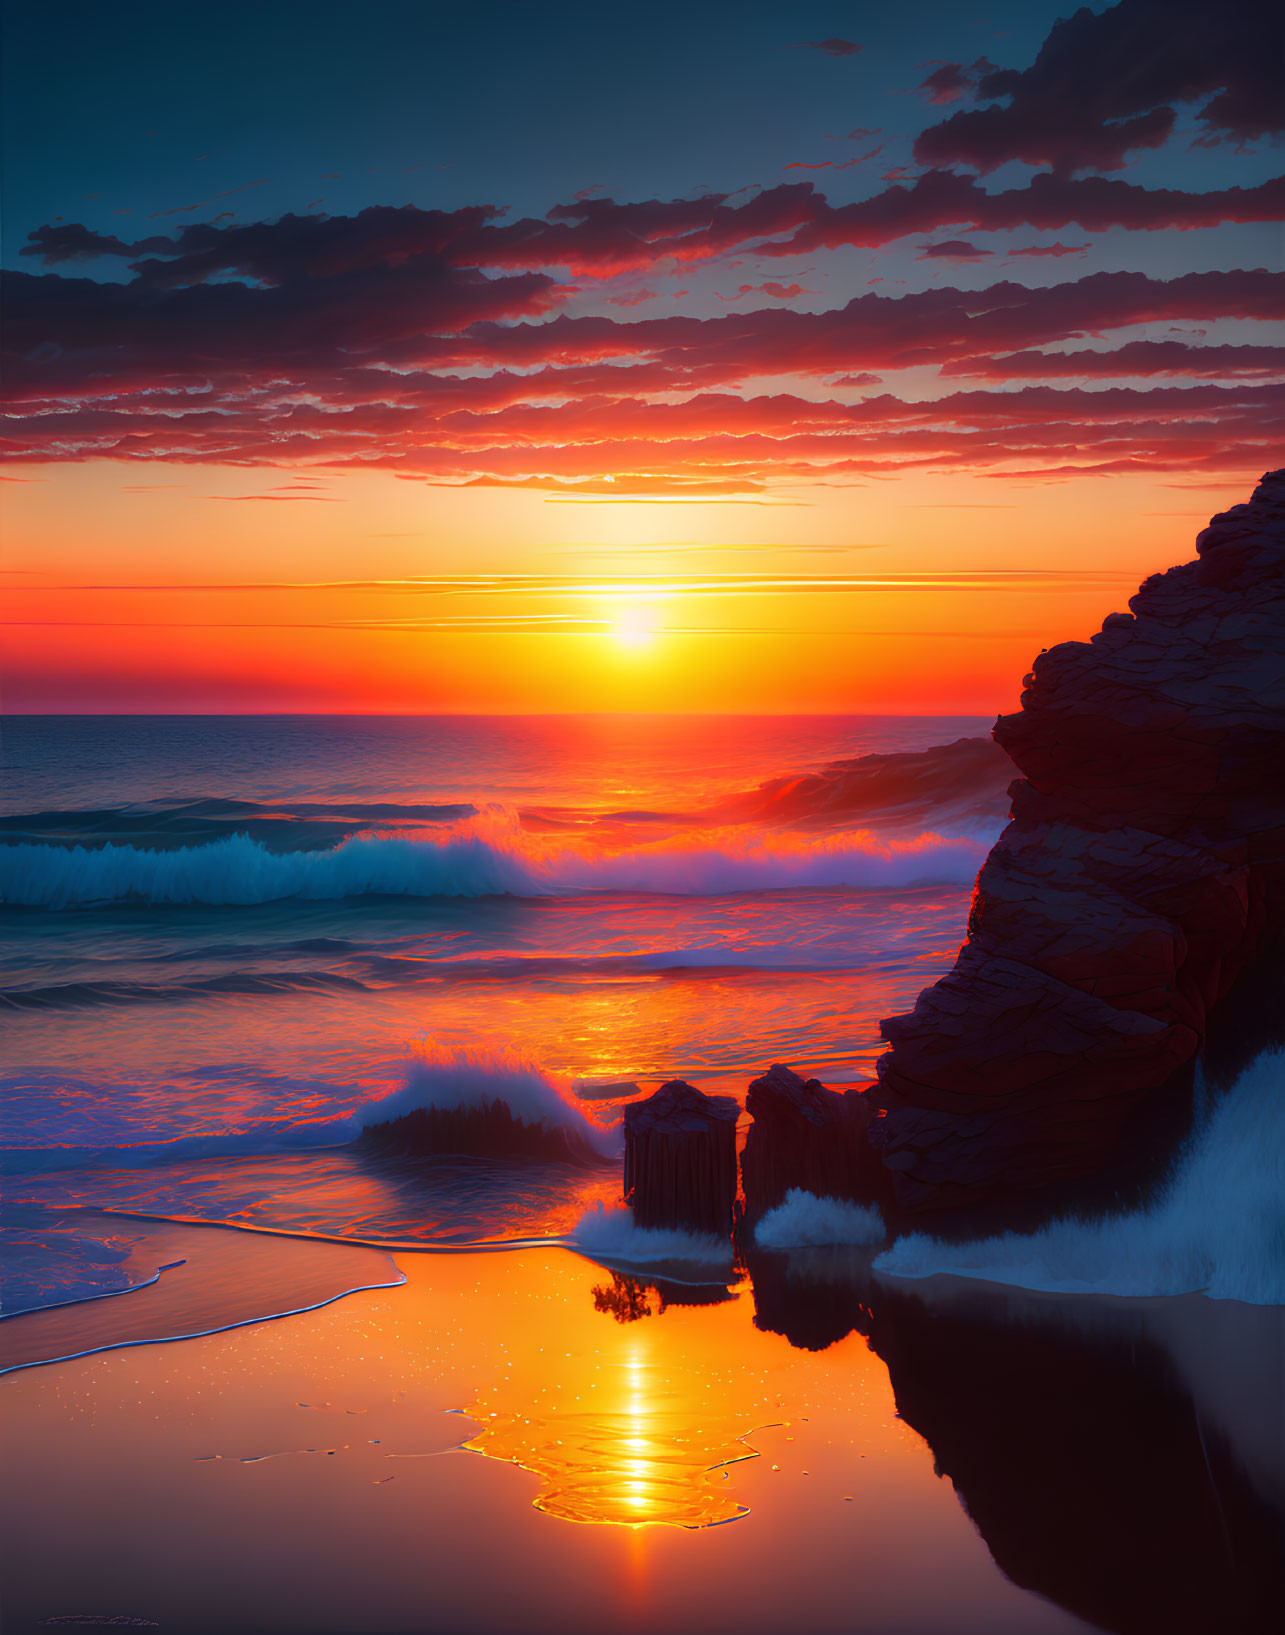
[648,1454]
[311,1473]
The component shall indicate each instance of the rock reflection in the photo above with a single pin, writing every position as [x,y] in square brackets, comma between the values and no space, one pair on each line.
[624,1297]
[1124,1459]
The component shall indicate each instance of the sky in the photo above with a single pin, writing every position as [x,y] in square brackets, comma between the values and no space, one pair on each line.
[419,358]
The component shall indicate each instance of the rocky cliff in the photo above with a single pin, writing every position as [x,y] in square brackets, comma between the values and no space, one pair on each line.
[1142,873]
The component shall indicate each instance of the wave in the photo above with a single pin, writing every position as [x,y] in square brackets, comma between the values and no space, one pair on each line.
[964,784]
[287,825]
[487,856]
[610,1235]
[474,1083]
[77,995]
[804,1221]
[433,1081]
[697,962]
[1217,1228]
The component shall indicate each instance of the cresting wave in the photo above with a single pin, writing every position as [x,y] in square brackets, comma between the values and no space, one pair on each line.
[488,856]
[1218,1226]
[432,1081]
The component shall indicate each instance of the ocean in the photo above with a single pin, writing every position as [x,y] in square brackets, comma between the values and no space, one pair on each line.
[228,938]
[265,1367]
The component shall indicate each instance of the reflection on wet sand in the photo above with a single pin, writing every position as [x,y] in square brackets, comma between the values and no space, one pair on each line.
[1126,1459]
[649,1454]
[1121,1461]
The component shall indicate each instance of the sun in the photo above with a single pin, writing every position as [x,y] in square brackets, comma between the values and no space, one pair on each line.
[634,623]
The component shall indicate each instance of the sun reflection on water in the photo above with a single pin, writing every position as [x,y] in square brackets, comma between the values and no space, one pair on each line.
[650,1460]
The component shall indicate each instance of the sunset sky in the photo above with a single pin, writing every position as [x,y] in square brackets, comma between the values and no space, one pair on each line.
[416,357]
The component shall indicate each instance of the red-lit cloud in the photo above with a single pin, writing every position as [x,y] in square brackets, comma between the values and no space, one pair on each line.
[447,345]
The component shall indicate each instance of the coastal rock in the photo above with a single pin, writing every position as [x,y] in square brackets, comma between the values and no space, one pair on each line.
[1142,872]
[680,1160]
[803,1135]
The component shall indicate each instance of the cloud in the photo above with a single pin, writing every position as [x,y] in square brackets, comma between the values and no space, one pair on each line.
[601,237]
[214,357]
[947,83]
[952,249]
[1135,358]
[1104,85]
[833,47]
[1054,250]
[778,291]
[942,198]
[437,345]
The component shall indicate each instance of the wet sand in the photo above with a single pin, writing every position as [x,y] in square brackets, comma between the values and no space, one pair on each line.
[212,1279]
[485,1448]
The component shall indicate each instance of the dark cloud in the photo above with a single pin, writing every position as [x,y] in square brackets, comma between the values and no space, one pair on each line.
[953,249]
[356,373]
[1106,84]
[1133,358]
[1054,250]
[944,198]
[600,238]
[947,83]
[834,47]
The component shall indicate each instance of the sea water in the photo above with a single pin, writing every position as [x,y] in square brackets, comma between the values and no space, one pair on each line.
[230,941]
[232,947]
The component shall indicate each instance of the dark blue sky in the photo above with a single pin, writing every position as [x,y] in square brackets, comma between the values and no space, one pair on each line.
[525,104]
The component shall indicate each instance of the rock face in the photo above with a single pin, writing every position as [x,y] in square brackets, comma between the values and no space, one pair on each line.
[1142,872]
[680,1159]
[803,1135]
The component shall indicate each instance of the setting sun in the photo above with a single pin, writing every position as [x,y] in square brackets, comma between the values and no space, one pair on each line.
[635,620]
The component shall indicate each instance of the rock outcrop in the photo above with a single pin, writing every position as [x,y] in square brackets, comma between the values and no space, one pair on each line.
[803,1135]
[680,1160]
[1142,873]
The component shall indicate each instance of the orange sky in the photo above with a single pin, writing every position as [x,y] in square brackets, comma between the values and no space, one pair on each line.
[151,589]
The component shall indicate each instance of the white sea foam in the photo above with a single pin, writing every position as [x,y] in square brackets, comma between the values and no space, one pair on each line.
[1217,1227]
[803,1221]
[610,1234]
[484,856]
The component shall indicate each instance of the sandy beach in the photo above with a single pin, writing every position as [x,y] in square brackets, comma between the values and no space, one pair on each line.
[470,1451]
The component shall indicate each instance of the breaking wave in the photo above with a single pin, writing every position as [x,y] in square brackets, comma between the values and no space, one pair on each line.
[488,856]
[433,1081]
[804,1221]
[468,1081]
[1218,1227]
